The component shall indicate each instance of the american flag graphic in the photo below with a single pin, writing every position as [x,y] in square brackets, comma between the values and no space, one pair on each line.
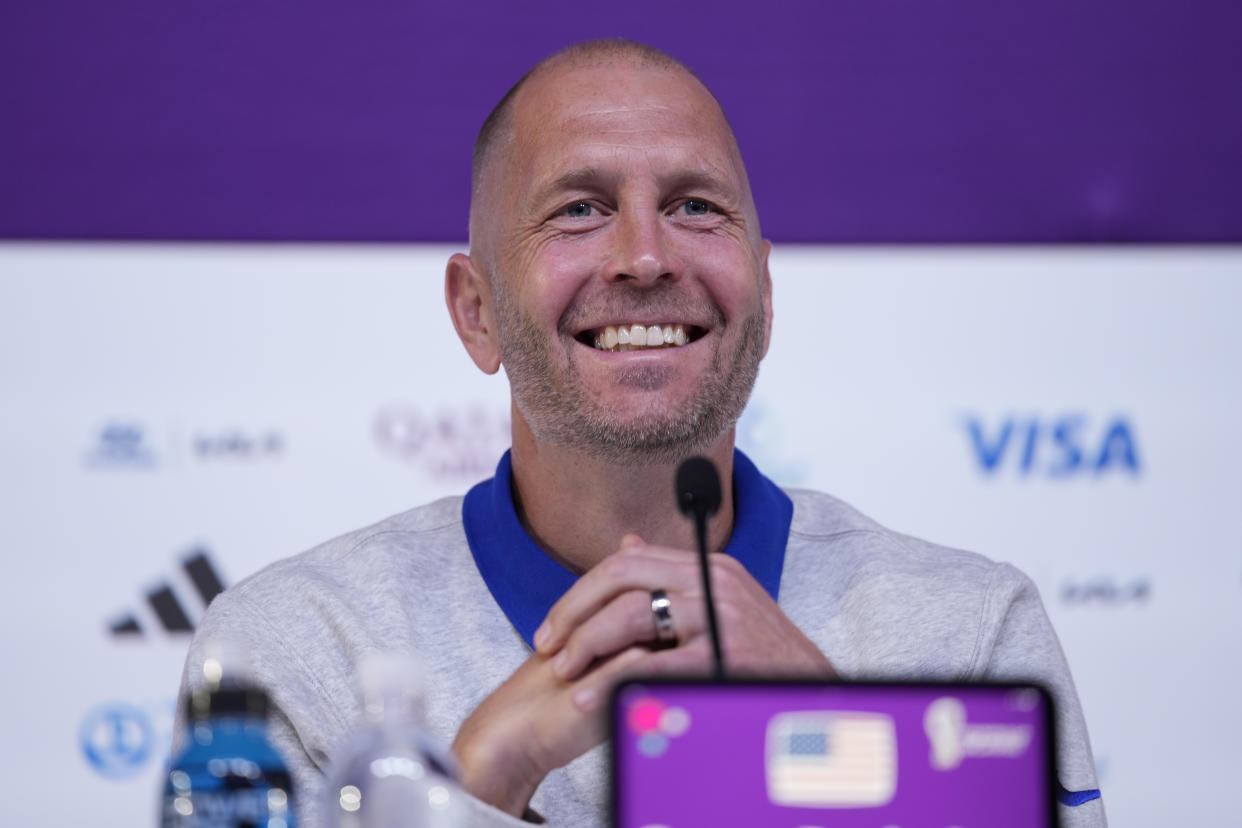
[831,759]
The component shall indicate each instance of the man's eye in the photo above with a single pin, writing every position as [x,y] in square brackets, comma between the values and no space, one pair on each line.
[579,209]
[696,207]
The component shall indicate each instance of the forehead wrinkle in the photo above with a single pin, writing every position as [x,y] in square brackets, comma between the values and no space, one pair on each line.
[600,160]
[652,106]
[629,121]
[627,112]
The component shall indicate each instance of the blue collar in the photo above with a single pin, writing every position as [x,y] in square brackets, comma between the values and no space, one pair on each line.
[526,582]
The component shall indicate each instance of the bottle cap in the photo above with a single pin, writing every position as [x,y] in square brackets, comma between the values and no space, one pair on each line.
[226,688]
[250,702]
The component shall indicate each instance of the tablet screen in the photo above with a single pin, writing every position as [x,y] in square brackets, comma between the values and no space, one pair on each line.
[772,754]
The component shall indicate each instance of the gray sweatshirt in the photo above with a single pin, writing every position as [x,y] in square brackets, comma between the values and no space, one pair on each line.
[877,603]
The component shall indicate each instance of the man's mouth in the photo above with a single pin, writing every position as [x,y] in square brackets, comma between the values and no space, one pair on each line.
[637,337]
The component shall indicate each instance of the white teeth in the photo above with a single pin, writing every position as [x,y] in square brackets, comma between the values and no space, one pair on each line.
[637,337]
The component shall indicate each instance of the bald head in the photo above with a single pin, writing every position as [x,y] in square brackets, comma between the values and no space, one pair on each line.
[496,128]
[496,137]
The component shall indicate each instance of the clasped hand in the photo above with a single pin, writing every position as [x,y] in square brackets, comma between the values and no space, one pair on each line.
[602,631]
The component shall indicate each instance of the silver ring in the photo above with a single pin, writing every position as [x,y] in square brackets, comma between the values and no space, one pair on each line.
[661,609]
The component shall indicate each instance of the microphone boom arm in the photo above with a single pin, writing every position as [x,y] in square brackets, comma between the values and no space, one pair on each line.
[698,497]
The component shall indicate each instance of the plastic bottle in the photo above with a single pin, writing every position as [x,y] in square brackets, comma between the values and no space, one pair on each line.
[227,774]
[390,773]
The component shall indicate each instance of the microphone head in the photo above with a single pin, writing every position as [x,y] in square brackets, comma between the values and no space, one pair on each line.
[698,487]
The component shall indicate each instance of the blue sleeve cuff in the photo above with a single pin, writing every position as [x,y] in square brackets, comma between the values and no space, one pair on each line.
[1072,798]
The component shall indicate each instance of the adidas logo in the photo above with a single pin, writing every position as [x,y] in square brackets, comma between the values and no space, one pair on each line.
[163,608]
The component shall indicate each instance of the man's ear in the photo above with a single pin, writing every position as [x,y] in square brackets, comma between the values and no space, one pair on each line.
[766,289]
[469,296]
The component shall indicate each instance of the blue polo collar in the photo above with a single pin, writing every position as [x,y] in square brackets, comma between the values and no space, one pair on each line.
[526,582]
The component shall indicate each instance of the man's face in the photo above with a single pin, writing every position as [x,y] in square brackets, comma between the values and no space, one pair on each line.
[622,202]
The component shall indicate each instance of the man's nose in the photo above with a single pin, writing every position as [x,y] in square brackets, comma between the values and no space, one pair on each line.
[642,253]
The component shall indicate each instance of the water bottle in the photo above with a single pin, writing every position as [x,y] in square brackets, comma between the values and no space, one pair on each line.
[227,774]
[390,773]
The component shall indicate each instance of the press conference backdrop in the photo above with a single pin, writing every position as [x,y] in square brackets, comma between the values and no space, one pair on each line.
[1073,411]
[175,416]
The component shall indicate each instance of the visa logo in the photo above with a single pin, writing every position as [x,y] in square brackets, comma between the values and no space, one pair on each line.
[1055,447]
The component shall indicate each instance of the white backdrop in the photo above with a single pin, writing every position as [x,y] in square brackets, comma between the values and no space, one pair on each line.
[1072,410]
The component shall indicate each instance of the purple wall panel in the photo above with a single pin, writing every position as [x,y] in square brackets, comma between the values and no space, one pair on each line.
[1117,120]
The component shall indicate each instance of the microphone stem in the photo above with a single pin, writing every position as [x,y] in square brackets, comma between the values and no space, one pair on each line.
[700,528]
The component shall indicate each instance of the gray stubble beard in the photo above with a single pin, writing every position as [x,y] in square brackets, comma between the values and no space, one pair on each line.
[557,411]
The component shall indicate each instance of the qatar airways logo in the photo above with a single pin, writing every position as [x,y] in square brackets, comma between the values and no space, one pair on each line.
[1068,446]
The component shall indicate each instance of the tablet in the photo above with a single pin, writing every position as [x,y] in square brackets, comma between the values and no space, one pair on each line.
[771,754]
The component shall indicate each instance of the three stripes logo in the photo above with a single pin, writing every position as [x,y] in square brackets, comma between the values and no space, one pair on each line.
[164,608]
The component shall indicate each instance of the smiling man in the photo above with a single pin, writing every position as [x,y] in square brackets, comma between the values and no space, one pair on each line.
[618,273]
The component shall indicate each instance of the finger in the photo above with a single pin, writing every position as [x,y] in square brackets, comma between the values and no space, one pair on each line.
[613,576]
[634,662]
[626,620]
[631,541]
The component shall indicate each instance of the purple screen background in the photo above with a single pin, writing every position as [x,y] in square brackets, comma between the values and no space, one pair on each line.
[713,774]
[861,121]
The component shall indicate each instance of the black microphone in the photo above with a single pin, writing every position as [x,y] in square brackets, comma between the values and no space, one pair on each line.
[698,488]
[698,497]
